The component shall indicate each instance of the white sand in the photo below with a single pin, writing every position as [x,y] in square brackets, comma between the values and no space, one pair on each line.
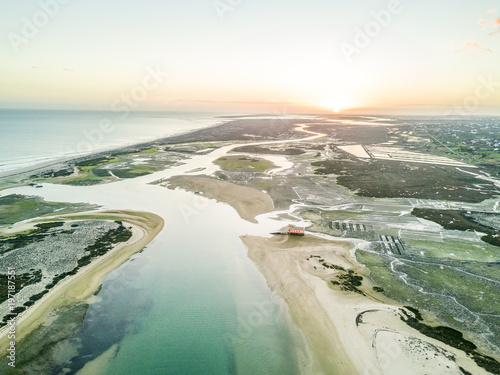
[248,202]
[97,365]
[381,343]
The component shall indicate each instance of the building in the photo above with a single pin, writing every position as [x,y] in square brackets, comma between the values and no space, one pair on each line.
[297,231]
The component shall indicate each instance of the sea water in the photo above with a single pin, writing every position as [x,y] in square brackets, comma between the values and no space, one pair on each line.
[29,137]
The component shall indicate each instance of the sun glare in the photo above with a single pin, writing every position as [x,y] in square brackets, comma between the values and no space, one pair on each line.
[335,106]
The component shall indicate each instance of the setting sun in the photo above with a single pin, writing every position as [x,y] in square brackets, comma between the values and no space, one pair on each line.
[334,105]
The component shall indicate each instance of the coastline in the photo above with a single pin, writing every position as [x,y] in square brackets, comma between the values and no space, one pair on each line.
[347,333]
[80,286]
[61,161]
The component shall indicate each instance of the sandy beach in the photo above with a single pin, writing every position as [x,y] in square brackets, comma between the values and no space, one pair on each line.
[347,333]
[246,201]
[145,226]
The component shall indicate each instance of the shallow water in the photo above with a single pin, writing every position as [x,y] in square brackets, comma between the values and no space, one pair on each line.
[192,302]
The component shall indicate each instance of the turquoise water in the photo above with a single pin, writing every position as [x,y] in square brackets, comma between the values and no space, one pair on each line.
[192,303]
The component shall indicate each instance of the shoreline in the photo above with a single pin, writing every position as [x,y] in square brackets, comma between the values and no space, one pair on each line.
[88,279]
[60,162]
[305,310]
[347,332]
[63,160]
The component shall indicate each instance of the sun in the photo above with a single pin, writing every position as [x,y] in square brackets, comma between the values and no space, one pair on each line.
[333,105]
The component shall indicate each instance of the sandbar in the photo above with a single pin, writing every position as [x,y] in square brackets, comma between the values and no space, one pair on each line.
[145,226]
[248,202]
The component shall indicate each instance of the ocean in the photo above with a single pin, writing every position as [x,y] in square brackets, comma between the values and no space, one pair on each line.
[29,137]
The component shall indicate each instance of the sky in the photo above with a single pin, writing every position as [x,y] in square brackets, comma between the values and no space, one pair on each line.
[252,56]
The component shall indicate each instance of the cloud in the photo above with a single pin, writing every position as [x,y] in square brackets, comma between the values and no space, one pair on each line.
[492,26]
[496,25]
[470,46]
[473,45]
[492,11]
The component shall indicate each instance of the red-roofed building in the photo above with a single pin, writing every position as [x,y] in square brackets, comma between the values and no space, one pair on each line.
[297,231]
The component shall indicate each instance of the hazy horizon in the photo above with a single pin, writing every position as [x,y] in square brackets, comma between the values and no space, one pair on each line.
[380,57]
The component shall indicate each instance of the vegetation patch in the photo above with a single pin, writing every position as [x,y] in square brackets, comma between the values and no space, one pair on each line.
[151,150]
[101,246]
[455,339]
[472,142]
[23,239]
[118,164]
[349,282]
[221,176]
[394,179]
[16,207]
[243,163]
[54,173]
[459,220]
[134,171]
[93,162]
[331,266]
[21,281]
[415,312]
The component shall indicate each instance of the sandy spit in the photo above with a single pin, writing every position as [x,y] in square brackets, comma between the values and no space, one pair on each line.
[248,202]
[346,332]
[145,226]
